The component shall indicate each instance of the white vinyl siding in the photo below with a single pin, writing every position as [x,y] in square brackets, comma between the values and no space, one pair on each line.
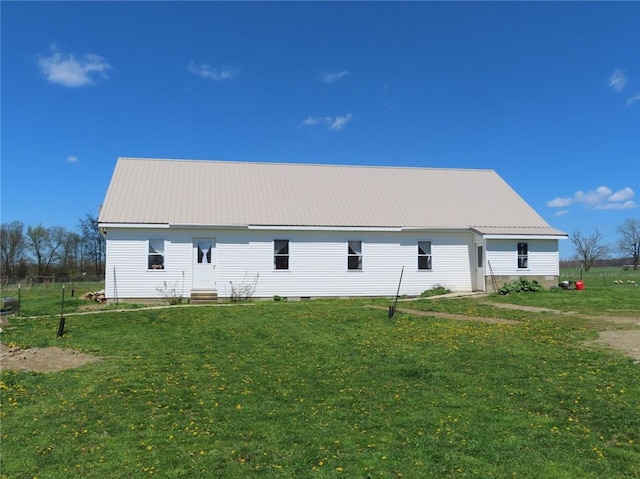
[317,263]
[127,274]
[542,257]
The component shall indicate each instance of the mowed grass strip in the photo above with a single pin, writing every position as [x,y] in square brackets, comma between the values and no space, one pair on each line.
[318,389]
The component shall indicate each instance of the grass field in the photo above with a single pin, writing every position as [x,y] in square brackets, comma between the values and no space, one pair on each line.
[602,276]
[327,389]
[42,300]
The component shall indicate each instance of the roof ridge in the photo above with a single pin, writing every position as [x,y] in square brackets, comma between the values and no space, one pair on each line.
[327,165]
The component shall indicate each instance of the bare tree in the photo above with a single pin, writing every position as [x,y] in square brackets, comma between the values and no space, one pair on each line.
[629,242]
[71,253]
[588,249]
[45,244]
[94,242]
[12,247]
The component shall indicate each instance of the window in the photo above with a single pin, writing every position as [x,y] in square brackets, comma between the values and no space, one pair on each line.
[424,255]
[156,254]
[281,254]
[523,255]
[354,255]
[204,251]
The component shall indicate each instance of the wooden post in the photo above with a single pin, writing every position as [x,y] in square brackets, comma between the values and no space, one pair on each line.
[61,323]
[392,309]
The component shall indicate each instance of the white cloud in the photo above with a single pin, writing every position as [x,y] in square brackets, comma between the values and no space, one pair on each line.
[559,202]
[602,198]
[72,159]
[333,77]
[633,99]
[622,195]
[68,71]
[210,73]
[561,212]
[593,198]
[340,121]
[331,122]
[627,205]
[617,80]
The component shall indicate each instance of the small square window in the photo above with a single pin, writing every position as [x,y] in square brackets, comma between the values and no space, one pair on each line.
[156,254]
[354,255]
[281,254]
[523,255]
[424,255]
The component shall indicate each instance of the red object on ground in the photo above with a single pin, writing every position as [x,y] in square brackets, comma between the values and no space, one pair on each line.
[579,285]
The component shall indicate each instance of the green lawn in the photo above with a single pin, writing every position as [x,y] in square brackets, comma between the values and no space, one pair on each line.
[321,389]
[601,275]
[41,300]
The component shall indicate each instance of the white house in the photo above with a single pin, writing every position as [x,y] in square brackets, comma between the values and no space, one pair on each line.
[298,230]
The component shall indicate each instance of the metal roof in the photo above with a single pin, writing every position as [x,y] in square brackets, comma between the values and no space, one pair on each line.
[216,193]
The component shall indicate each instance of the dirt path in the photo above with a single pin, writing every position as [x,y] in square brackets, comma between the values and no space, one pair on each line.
[626,341]
[458,317]
[531,309]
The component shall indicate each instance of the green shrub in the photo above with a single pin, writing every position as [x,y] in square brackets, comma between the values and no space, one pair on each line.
[521,286]
[436,290]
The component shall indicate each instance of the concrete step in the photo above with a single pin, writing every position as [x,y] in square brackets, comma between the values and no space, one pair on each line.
[204,297]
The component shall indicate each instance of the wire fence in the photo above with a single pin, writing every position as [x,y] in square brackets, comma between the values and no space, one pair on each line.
[45,281]
[603,276]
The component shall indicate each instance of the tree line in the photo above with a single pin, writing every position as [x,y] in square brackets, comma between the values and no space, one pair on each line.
[37,251]
[591,250]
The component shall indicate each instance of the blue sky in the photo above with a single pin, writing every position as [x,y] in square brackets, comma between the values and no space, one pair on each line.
[545,93]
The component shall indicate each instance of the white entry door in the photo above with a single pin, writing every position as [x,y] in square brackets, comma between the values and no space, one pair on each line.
[204,263]
[479,267]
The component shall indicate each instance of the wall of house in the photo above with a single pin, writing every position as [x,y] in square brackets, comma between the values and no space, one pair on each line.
[317,263]
[502,261]
[127,274]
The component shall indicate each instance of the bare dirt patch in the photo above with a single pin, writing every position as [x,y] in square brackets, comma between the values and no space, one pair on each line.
[42,359]
[627,342]
[530,309]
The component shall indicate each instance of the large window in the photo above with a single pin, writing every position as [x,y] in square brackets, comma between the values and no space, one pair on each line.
[424,255]
[156,254]
[523,255]
[281,254]
[354,255]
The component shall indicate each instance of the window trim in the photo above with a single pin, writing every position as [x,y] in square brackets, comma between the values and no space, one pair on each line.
[277,255]
[522,257]
[428,256]
[158,253]
[357,254]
